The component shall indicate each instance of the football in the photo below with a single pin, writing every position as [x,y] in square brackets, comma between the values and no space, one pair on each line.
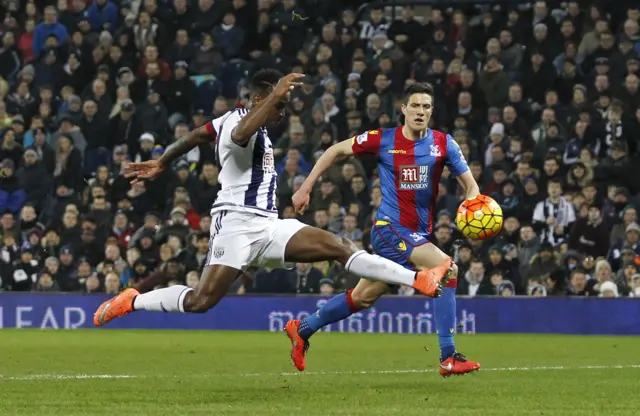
[479,218]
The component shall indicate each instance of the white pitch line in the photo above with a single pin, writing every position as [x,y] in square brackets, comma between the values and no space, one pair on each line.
[310,373]
[65,377]
[433,370]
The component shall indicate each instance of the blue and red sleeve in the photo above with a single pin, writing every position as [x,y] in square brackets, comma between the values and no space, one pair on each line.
[455,159]
[368,142]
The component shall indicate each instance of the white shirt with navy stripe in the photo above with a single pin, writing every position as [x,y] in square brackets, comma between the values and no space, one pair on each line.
[247,173]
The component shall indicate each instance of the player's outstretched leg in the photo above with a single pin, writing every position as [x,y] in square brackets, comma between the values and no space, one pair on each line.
[215,283]
[340,307]
[451,361]
[312,244]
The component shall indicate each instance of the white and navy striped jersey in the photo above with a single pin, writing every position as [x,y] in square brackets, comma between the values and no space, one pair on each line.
[247,173]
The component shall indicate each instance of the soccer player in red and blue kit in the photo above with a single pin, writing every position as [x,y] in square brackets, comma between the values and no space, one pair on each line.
[411,160]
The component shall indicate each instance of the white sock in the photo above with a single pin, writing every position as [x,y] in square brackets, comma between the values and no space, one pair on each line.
[170,299]
[375,267]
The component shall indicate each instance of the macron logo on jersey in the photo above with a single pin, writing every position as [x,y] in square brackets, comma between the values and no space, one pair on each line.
[413,177]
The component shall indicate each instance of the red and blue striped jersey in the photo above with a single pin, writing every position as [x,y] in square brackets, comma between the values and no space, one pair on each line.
[410,173]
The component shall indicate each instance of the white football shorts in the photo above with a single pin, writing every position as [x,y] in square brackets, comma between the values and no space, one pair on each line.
[242,240]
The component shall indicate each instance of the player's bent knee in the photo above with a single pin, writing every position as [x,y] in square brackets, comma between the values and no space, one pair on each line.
[366,293]
[199,302]
[341,249]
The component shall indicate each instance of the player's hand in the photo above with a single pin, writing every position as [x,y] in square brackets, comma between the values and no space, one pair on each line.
[286,84]
[300,201]
[143,170]
[551,220]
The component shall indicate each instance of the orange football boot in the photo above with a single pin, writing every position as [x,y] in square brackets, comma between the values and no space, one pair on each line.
[299,346]
[429,282]
[457,365]
[117,306]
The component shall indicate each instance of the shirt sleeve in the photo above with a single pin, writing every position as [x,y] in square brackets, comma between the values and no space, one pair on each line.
[455,159]
[368,142]
[212,128]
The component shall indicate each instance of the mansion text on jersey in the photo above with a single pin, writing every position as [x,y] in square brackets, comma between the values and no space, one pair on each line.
[412,177]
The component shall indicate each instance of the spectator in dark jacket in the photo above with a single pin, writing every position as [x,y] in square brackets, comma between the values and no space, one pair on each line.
[34,178]
[103,15]
[68,163]
[229,36]
[12,197]
[590,235]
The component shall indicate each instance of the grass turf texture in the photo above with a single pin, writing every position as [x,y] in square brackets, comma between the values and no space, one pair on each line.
[234,373]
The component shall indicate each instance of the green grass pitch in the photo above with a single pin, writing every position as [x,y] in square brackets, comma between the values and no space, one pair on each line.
[112,372]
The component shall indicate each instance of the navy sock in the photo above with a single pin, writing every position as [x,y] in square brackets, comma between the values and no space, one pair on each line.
[445,316]
[335,310]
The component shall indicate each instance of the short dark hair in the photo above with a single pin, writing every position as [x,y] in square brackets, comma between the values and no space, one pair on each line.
[418,88]
[555,181]
[577,270]
[477,260]
[263,80]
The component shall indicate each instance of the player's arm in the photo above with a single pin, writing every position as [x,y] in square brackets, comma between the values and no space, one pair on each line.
[187,142]
[257,116]
[325,161]
[469,185]
[368,142]
[460,170]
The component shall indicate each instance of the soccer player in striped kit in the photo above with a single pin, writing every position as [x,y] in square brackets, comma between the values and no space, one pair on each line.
[245,229]
[411,160]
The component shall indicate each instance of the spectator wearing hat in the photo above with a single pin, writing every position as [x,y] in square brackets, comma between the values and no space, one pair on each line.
[147,143]
[153,113]
[628,216]
[608,290]
[66,270]
[545,262]
[631,240]
[33,178]
[181,179]
[182,91]
[125,128]
[24,271]
[616,167]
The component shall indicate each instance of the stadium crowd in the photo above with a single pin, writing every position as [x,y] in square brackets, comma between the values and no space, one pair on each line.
[543,98]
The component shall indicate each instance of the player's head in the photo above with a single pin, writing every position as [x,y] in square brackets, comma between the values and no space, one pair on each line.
[418,105]
[261,85]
